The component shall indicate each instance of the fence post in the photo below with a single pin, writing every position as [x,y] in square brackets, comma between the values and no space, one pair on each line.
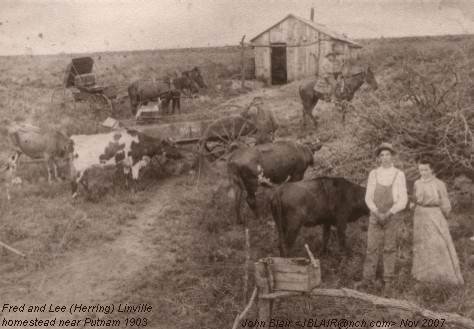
[247,263]
[265,305]
[242,57]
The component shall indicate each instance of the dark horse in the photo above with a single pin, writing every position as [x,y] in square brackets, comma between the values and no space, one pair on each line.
[344,92]
[190,81]
[168,90]
[144,91]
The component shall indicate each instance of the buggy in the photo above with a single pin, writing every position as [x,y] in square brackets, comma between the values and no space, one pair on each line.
[81,82]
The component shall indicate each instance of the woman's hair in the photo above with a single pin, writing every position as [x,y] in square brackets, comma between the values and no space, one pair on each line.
[425,161]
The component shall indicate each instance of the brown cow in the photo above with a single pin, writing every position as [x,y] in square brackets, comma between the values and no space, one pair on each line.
[37,143]
[320,201]
[277,162]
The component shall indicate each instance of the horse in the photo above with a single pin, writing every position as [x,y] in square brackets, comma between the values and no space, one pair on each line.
[144,91]
[189,81]
[344,93]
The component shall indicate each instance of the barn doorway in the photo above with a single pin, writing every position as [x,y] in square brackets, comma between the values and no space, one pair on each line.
[278,59]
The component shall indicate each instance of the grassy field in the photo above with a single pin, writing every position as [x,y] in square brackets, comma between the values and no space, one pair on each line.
[174,244]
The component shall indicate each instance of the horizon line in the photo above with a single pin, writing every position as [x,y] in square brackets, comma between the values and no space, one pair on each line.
[62,53]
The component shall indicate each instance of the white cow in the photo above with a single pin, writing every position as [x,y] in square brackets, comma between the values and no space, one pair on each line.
[130,148]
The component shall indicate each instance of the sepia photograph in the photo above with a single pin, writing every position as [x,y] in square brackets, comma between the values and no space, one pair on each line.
[211,164]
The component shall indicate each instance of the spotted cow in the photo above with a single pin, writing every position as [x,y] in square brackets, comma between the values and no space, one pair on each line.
[126,148]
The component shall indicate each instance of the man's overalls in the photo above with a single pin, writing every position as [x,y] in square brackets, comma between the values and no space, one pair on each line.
[381,238]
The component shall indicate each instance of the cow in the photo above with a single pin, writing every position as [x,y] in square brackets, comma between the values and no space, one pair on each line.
[144,91]
[327,201]
[37,143]
[273,162]
[130,149]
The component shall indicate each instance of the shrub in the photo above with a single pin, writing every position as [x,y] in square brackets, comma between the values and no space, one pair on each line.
[427,114]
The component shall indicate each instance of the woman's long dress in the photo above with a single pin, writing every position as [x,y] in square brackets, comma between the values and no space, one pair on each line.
[434,257]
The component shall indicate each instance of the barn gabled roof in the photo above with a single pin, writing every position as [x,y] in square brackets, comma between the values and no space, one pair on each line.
[318,27]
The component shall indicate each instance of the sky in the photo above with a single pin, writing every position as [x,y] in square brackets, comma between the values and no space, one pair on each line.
[65,26]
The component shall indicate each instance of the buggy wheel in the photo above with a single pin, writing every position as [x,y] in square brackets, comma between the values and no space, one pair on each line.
[99,103]
[63,98]
[220,144]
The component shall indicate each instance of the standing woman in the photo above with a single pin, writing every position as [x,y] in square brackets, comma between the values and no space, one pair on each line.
[434,256]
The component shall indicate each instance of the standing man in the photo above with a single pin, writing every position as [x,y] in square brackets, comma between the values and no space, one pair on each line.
[386,196]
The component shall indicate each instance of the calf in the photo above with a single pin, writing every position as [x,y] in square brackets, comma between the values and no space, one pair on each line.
[275,163]
[128,148]
[320,201]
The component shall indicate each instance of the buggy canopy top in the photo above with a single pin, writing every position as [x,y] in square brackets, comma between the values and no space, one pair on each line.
[78,66]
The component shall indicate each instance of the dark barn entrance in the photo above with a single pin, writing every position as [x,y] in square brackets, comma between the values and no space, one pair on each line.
[278,58]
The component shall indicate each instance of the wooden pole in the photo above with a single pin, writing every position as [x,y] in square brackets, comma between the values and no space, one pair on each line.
[247,262]
[451,318]
[12,249]
[242,58]
[311,256]
[264,305]
[240,316]
[319,54]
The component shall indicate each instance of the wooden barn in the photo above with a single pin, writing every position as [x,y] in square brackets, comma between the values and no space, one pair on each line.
[295,48]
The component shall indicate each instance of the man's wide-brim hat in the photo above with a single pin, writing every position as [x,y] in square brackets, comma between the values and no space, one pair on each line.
[384,146]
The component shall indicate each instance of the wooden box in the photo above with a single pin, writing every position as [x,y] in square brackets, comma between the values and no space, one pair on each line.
[293,274]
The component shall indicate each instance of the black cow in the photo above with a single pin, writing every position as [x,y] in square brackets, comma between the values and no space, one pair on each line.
[276,163]
[320,201]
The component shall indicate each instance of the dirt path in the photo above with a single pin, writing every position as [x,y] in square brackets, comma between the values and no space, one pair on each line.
[107,274]
[98,275]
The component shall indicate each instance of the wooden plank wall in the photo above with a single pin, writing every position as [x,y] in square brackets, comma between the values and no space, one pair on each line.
[301,61]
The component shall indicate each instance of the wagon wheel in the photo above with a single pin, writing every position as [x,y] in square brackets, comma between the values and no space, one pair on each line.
[219,145]
[99,103]
[61,97]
